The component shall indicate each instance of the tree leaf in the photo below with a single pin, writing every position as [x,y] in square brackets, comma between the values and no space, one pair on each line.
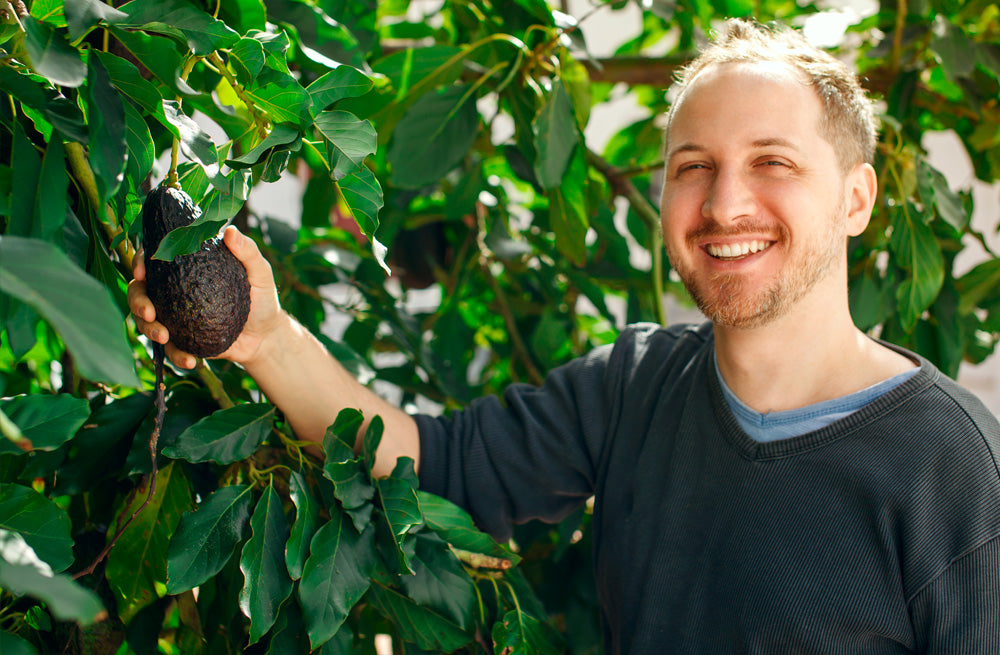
[440,582]
[433,137]
[341,82]
[348,474]
[11,644]
[304,528]
[107,148]
[416,623]
[51,54]
[77,306]
[22,574]
[227,436]
[454,525]
[949,205]
[196,144]
[43,524]
[280,135]
[556,136]
[522,634]
[284,100]
[350,140]
[266,582]
[202,33]
[83,15]
[247,60]
[51,206]
[568,212]
[917,250]
[401,512]
[161,56]
[206,538]
[363,195]
[335,577]
[46,421]
[137,565]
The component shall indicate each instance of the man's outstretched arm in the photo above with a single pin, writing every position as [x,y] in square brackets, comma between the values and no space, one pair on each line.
[293,369]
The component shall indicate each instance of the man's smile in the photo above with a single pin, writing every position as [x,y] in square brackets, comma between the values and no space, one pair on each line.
[738,250]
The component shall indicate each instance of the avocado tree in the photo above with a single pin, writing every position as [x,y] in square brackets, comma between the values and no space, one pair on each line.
[456,233]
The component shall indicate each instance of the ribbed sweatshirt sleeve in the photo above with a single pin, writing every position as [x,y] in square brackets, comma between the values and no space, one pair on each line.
[531,455]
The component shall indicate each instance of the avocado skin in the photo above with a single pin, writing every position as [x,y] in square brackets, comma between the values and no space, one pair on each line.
[203,299]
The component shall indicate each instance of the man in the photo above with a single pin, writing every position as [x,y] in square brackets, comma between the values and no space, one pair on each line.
[773,481]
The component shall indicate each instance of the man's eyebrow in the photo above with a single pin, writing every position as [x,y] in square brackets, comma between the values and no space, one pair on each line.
[775,141]
[684,147]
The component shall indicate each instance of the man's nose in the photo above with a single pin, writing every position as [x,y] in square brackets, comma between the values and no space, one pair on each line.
[730,197]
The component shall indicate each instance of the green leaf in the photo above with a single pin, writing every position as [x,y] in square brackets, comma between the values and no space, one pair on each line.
[46,421]
[24,199]
[127,79]
[51,54]
[363,195]
[401,512]
[979,285]
[11,644]
[202,33]
[953,48]
[107,148]
[440,582]
[206,538]
[137,565]
[43,524]
[84,15]
[161,56]
[247,60]
[568,212]
[284,100]
[933,185]
[418,624]
[554,129]
[350,140]
[306,523]
[346,471]
[22,574]
[227,436]
[279,135]
[196,144]
[51,205]
[341,82]
[522,634]
[77,306]
[262,562]
[433,137]
[373,437]
[335,577]
[454,525]
[916,249]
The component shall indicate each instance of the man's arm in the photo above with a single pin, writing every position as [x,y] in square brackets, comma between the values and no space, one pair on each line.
[293,369]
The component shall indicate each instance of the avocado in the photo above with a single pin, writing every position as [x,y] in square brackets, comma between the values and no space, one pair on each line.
[203,298]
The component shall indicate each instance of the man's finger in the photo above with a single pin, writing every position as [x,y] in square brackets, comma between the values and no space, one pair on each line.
[180,358]
[258,270]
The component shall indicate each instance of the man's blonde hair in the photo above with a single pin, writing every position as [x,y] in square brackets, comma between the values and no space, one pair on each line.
[849,121]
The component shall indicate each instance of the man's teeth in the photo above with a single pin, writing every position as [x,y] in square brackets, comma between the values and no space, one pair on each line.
[731,250]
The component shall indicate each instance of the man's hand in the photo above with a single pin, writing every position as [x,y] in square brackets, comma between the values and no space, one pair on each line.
[265,312]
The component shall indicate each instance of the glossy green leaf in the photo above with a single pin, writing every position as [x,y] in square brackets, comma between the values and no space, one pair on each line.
[284,100]
[127,79]
[43,524]
[935,187]
[83,15]
[440,582]
[429,629]
[280,135]
[556,136]
[304,528]
[523,634]
[137,565]
[196,144]
[206,538]
[77,306]
[401,512]
[433,137]
[247,60]
[350,140]
[46,421]
[363,194]
[227,436]
[24,199]
[202,33]
[335,576]
[107,147]
[160,55]
[348,474]
[454,525]
[953,48]
[51,206]
[266,582]
[568,212]
[187,239]
[371,441]
[51,54]
[22,574]
[341,82]
[915,248]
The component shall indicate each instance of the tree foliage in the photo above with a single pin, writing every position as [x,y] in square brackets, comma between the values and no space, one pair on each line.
[447,185]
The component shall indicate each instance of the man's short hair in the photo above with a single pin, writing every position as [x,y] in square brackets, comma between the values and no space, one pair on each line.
[849,121]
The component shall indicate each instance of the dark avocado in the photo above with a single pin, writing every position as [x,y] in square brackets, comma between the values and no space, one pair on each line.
[203,298]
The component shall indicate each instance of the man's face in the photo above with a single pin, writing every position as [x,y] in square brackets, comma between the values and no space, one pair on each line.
[753,205]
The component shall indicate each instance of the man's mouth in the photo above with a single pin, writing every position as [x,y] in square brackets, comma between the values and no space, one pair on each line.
[733,251]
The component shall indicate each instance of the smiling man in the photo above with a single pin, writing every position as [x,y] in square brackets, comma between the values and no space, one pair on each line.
[772,481]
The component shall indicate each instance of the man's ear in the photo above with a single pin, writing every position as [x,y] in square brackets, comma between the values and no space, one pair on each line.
[860,189]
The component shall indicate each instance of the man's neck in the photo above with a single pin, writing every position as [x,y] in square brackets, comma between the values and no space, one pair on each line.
[802,358]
